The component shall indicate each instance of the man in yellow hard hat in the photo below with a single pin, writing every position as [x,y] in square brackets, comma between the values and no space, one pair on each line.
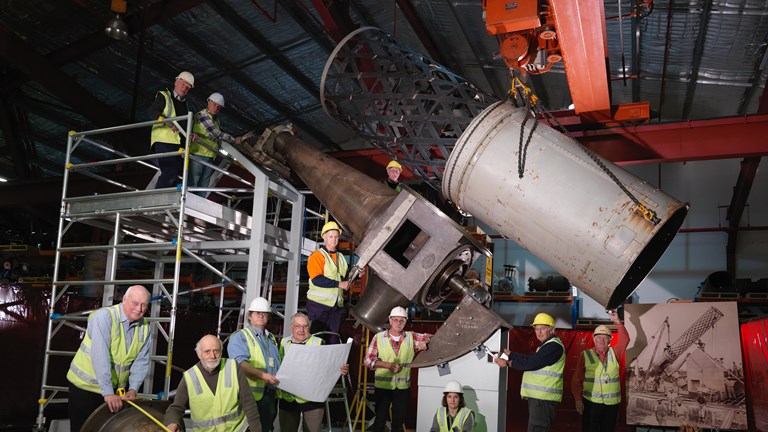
[393,175]
[327,269]
[596,385]
[165,137]
[543,374]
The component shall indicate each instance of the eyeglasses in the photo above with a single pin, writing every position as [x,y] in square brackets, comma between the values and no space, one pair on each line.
[398,320]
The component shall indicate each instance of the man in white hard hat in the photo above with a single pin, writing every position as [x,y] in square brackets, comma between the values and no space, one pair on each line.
[596,385]
[165,136]
[389,355]
[294,408]
[216,391]
[255,349]
[206,137]
[327,269]
[542,382]
[393,175]
[453,415]
[114,354]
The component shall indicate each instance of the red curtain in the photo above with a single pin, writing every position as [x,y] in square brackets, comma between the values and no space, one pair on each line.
[522,339]
[754,348]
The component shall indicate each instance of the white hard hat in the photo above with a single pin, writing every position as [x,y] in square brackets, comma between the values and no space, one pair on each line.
[217,98]
[453,387]
[398,311]
[188,77]
[259,304]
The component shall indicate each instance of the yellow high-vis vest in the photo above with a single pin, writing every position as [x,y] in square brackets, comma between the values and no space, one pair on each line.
[384,378]
[216,412]
[545,383]
[162,132]
[203,137]
[257,359]
[329,296]
[458,421]
[601,382]
[81,372]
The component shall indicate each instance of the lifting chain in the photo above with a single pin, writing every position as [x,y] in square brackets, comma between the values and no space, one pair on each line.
[534,109]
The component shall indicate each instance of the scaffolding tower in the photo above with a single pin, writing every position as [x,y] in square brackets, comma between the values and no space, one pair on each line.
[209,227]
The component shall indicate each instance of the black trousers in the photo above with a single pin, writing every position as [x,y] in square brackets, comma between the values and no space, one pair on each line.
[599,417]
[170,167]
[398,399]
[81,404]
[541,414]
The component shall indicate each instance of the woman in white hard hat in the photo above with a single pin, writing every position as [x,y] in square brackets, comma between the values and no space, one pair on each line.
[453,415]
[206,138]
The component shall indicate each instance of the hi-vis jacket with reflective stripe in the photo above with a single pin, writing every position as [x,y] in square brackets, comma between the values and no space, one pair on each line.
[332,270]
[220,412]
[204,138]
[545,383]
[601,382]
[81,372]
[402,379]
[284,345]
[258,358]
[162,132]
[458,421]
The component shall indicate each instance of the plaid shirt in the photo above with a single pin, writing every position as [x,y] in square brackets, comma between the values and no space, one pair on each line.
[203,117]
[372,355]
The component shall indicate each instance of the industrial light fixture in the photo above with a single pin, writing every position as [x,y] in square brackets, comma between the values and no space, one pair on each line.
[116,27]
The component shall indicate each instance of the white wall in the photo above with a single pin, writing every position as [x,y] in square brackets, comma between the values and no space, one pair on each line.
[692,256]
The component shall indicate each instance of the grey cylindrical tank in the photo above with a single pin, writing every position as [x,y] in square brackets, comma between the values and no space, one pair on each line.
[565,210]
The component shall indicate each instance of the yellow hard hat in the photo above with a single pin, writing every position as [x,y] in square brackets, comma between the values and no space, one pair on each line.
[543,319]
[330,226]
[394,164]
[602,330]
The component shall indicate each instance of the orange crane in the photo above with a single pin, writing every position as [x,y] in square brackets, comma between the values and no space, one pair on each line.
[533,35]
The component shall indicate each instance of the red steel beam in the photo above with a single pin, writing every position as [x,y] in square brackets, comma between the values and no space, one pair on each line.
[722,138]
[580,28]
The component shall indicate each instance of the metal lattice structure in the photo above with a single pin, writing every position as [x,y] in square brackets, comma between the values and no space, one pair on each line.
[399,100]
[694,332]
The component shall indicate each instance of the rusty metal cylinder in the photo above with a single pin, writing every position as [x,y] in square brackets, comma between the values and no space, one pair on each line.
[355,199]
[565,209]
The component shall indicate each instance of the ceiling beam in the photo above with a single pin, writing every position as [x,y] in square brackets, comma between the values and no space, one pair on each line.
[730,137]
[154,14]
[698,55]
[19,53]
[273,52]
[421,32]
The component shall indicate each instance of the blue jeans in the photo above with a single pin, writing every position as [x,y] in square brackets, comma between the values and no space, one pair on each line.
[199,174]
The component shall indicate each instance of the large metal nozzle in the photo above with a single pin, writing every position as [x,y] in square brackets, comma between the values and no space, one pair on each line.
[378,300]
[565,209]
[355,199]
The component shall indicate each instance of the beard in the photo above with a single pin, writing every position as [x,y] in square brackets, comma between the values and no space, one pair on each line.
[210,365]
